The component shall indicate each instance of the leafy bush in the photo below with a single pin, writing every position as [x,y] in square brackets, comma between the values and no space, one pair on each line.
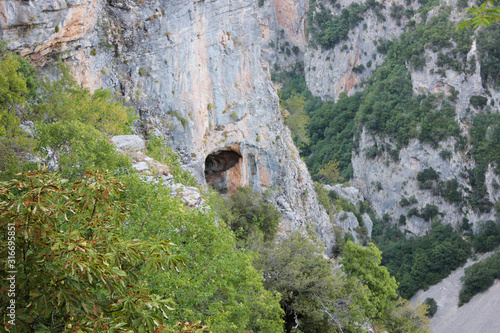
[71,125]
[64,100]
[445,154]
[364,264]
[76,147]
[433,307]
[428,174]
[487,238]
[478,102]
[71,239]
[450,191]
[405,202]
[247,213]
[315,295]
[408,318]
[429,212]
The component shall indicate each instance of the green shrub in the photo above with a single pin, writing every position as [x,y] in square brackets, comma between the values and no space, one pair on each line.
[420,262]
[161,151]
[445,154]
[428,174]
[358,69]
[429,212]
[433,307]
[71,243]
[405,202]
[247,213]
[450,190]
[478,102]
[177,115]
[76,147]
[479,277]
[487,238]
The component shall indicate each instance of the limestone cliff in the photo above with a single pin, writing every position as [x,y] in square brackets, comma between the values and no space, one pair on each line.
[193,70]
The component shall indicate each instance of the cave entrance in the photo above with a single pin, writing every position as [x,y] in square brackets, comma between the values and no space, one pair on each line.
[223,169]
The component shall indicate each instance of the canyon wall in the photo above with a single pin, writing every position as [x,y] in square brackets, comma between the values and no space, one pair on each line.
[193,71]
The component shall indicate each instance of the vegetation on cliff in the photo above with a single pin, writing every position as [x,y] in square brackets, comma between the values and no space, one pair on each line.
[91,246]
[109,251]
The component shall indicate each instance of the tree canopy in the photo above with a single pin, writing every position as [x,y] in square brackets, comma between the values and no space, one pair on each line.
[74,270]
[482,16]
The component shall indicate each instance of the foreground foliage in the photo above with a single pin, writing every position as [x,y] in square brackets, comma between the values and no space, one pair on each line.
[83,266]
[218,285]
[74,268]
[364,264]
[316,297]
[248,215]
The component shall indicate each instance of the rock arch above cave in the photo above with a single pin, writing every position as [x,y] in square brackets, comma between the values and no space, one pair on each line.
[223,168]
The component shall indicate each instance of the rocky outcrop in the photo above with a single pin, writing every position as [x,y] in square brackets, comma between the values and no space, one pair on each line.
[40,27]
[193,72]
[153,171]
[347,221]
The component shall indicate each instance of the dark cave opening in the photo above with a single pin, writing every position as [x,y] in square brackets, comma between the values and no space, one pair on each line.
[223,169]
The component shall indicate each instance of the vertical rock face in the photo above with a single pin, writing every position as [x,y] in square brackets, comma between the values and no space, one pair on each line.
[193,71]
[330,72]
[283,22]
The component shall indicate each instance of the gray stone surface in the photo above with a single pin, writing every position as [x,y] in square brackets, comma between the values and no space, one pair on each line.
[347,221]
[141,166]
[128,142]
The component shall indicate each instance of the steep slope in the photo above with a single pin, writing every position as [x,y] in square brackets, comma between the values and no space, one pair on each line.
[194,74]
[479,315]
